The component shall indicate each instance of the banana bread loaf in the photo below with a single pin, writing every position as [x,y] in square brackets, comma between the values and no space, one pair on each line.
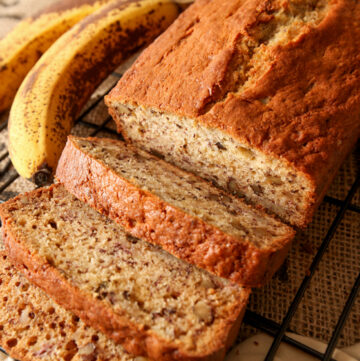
[261,96]
[137,294]
[182,213]
[35,328]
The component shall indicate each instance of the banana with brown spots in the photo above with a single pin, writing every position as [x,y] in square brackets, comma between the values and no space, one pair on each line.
[55,90]
[23,46]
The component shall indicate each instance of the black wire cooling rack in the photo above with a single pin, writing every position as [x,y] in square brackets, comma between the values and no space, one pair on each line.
[275,329]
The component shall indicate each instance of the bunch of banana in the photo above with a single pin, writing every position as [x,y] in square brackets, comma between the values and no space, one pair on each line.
[23,46]
[56,89]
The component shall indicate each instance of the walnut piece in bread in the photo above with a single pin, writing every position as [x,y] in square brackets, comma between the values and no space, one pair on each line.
[261,97]
[182,213]
[152,303]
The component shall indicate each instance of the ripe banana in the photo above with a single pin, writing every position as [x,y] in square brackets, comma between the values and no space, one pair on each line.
[56,89]
[23,46]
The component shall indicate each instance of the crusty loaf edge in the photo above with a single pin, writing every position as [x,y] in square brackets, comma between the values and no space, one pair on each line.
[315,195]
[29,299]
[135,338]
[185,236]
[13,352]
[319,165]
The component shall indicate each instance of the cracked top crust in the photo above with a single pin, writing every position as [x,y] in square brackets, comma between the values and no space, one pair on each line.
[281,76]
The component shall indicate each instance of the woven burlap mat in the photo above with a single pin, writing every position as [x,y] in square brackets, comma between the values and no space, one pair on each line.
[324,300]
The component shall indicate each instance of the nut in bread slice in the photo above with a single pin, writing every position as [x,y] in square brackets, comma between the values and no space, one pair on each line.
[137,294]
[34,328]
[177,210]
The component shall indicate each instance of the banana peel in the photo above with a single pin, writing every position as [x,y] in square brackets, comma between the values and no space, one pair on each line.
[22,47]
[56,89]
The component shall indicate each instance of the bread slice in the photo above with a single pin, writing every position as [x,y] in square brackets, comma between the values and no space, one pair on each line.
[35,328]
[261,97]
[182,213]
[135,293]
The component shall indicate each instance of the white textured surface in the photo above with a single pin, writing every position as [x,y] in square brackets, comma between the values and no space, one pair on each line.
[12,11]
[255,349]
[4,357]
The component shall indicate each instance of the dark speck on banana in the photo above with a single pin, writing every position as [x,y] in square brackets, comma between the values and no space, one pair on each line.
[58,86]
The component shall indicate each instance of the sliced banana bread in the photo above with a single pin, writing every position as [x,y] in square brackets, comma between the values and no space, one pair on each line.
[34,328]
[179,211]
[140,296]
[262,97]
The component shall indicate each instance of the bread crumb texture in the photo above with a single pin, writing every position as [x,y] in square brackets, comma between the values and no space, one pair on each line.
[260,97]
[184,191]
[187,216]
[34,328]
[175,302]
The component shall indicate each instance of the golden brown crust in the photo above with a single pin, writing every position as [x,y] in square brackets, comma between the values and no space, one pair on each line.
[151,218]
[42,274]
[303,107]
[34,328]
[135,338]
